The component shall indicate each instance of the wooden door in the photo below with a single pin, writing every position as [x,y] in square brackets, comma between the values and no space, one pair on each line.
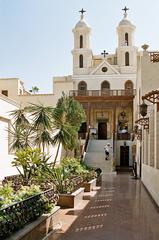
[102,130]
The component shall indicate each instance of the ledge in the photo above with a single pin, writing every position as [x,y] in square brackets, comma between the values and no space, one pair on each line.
[38,229]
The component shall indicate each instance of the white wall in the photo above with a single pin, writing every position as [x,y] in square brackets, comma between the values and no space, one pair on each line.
[150,178]
[6,158]
[94,81]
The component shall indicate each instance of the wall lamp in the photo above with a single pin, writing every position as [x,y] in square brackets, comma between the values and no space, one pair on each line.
[152,97]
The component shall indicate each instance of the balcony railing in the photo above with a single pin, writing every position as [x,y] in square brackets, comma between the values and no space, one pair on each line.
[154,56]
[123,136]
[102,93]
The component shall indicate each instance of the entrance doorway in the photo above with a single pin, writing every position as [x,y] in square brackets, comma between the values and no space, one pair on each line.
[124,156]
[102,130]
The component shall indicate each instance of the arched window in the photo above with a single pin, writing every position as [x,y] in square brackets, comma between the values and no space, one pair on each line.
[126,39]
[81,61]
[81,41]
[105,88]
[127,59]
[82,88]
[129,87]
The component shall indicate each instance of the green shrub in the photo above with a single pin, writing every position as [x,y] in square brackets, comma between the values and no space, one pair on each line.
[88,175]
[29,162]
[74,165]
[77,167]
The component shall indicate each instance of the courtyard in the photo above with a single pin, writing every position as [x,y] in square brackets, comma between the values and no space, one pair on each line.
[121,209]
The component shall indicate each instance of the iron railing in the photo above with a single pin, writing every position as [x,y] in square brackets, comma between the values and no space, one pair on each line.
[103,93]
[15,216]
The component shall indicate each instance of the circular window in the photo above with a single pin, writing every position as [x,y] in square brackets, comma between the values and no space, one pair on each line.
[104,69]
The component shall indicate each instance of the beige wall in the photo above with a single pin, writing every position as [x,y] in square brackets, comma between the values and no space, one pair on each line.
[149,73]
[10,84]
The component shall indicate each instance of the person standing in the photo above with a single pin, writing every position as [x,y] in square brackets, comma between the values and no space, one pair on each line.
[107,151]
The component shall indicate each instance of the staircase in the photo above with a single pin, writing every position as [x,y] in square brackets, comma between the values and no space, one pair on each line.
[95,155]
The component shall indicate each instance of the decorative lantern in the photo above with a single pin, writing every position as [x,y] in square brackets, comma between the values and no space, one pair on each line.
[143,109]
[136,129]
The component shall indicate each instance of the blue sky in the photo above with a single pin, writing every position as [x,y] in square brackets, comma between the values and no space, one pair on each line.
[36,35]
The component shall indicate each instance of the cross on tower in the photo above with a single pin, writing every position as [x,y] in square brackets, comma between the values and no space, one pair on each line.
[125,9]
[104,53]
[82,11]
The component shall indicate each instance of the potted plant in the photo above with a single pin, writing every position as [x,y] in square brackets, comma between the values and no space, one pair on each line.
[69,196]
[89,180]
[80,169]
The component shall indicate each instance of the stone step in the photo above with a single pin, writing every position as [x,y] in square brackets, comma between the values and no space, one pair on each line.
[95,155]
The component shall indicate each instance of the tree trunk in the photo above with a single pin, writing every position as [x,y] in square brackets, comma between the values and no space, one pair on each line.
[57,152]
[43,149]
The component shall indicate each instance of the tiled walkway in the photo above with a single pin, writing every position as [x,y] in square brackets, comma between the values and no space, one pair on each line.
[121,210]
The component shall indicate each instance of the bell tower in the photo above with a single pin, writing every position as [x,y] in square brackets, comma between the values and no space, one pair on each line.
[82,54]
[126,50]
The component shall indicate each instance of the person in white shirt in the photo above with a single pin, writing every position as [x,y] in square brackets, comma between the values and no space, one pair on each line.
[107,150]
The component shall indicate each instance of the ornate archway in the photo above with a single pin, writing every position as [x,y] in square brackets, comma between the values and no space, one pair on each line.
[82,88]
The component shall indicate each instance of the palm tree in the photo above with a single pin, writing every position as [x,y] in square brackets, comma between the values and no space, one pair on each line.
[34,90]
[42,124]
[68,116]
[62,131]
[75,113]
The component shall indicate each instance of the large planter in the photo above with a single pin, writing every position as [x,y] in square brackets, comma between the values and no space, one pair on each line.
[40,228]
[99,180]
[89,186]
[71,200]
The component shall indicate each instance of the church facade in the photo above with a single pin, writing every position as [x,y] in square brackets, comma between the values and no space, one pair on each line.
[105,85]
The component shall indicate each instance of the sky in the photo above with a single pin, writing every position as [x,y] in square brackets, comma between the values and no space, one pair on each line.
[36,36]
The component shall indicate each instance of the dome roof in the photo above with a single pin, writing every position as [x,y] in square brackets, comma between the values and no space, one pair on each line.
[81,24]
[125,21]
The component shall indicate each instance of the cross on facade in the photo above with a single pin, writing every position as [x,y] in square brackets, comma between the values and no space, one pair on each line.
[125,9]
[82,11]
[104,53]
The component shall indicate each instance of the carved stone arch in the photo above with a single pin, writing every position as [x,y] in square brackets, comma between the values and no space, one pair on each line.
[105,88]
[129,86]
[82,88]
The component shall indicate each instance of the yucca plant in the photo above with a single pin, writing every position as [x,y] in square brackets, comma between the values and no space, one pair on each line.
[61,178]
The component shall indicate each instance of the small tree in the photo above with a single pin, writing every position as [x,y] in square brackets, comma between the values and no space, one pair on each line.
[68,116]
[34,90]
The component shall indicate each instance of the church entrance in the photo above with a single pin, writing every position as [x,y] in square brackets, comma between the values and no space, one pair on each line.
[124,156]
[102,130]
